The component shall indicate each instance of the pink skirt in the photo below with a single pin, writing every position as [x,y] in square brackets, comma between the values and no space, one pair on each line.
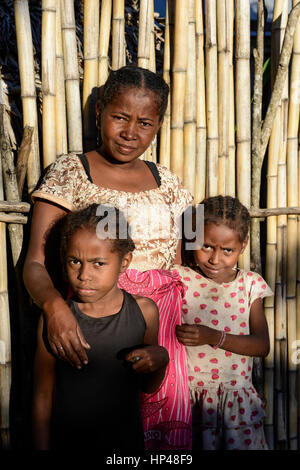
[166,413]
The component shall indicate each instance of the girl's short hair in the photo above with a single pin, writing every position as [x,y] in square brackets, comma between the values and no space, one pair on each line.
[132,76]
[226,210]
[88,219]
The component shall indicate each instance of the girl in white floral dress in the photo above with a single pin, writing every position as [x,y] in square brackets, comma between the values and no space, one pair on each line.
[223,328]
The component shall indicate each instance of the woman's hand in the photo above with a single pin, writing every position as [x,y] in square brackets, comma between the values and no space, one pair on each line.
[65,337]
[148,359]
[196,335]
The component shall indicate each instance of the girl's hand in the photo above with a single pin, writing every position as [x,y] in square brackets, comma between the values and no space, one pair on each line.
[196,335]
[148,359]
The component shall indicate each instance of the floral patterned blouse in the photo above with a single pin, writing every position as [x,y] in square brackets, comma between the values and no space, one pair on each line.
[152,214]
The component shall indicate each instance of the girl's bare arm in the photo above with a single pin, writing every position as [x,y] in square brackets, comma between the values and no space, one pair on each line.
[153,358]
[257,343]
[43,388]
[63,330]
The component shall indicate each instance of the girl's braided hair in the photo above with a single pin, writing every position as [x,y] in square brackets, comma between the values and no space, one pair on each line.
[131,76]
[218,210]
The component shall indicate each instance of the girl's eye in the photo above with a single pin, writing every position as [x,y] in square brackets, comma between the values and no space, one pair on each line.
[99,263]
[227,250]
[145,124]
[119,118]
[206,247]
[74,261]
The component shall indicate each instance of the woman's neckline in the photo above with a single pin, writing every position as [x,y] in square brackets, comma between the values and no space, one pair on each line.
[104,188]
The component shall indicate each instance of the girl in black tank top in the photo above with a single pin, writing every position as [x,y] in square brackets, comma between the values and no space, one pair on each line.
[97,406]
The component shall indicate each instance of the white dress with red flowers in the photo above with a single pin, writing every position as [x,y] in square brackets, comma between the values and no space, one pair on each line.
[227,410]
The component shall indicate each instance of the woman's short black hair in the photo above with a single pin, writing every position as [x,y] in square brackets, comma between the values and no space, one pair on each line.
[132,76]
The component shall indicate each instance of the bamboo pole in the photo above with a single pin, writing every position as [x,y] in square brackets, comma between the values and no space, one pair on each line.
[258,54]
[105,22]
[23,155]
[292,199]
[230,169]
[145,54]
[165,131]
[10,187]
[200,178]
[211,97]
[60,93]
[28,94]
[243,118]
[8,206]
[145,27]
[49,80]
[178,89]
[282,13]
[118,35]
[189,131]
[90,72]
[71,76]
[223,28]
[5,346]
[298,296]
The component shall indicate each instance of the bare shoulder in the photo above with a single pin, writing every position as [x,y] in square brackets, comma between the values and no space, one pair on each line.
[145,303]
[148,307]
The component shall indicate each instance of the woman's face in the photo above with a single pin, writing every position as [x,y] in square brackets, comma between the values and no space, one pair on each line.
[128,124]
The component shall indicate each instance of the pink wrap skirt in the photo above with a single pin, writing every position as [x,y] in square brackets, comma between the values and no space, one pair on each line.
[167,412]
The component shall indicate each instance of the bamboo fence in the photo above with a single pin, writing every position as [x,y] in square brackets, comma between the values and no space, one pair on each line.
[208,138]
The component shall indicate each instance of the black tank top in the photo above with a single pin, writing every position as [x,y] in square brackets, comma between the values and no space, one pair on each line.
[97,407]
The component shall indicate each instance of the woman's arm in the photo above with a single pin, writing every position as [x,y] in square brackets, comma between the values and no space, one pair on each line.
[63,330]
[43,389]
[153,358]
[257,343]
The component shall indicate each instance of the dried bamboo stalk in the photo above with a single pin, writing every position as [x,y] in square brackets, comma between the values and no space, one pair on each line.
[292,199]
[262,213]
[211,97]
[145,54]
[60,98]
[5,344]
[118,35]
[281,339]
[178,89]
[152,66]
[258,54]
[105,22]
[200,178]
[145,27]
[49,80]
[189,131]
[223,28]
[8,206]
[90,72]
[165,131]
[243,117]
[282,219]
[230,169]
[23,155]
[28,94]
[71,76]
